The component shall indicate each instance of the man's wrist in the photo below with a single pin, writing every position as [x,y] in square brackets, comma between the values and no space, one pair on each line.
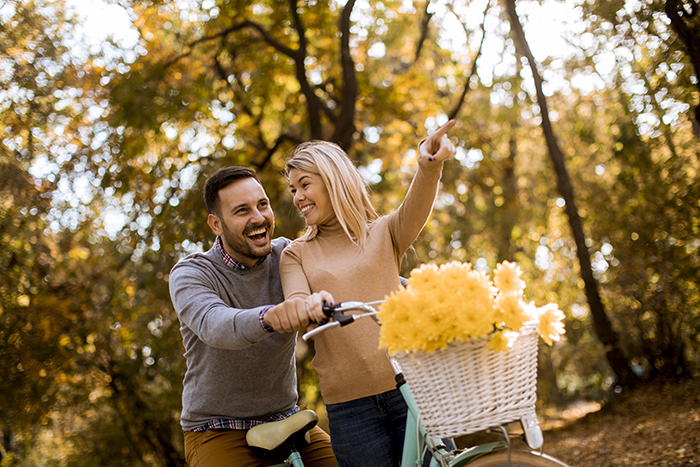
[263,323]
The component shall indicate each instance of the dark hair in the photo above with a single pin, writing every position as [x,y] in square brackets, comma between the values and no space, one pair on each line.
[221,179]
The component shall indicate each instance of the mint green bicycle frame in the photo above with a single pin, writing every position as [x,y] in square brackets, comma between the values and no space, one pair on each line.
[414,442]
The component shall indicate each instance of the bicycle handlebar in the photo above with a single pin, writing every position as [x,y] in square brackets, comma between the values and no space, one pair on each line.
[339,319]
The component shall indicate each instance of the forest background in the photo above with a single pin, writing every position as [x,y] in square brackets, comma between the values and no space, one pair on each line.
[582,167]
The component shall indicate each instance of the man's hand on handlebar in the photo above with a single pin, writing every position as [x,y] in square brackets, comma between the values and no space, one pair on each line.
[295,314]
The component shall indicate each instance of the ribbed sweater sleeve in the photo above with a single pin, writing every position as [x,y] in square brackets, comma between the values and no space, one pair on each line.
[198,292]
[406,223]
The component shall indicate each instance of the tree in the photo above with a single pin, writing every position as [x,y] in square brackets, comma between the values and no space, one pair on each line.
[66,367]
[32,360]
[652,172]
[605,332]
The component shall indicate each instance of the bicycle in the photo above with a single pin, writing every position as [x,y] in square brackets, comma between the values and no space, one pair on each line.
[417,441]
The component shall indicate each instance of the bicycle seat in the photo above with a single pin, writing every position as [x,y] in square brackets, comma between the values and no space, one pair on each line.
[289,433]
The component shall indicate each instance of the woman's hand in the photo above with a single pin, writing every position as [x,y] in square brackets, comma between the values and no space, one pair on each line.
[315,305]
[437,147]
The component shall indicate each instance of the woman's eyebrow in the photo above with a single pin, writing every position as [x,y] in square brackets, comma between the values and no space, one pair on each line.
[291,185]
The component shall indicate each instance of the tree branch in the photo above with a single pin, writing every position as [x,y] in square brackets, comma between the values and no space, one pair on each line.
[224,76]
[314,104]
[424,29]
[472,73]
[345,127]
[271,151]
[235,28]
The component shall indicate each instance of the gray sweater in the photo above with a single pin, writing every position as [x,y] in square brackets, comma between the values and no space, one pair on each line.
[235,369]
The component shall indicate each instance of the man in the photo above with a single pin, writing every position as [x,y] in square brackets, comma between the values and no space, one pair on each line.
[238,332]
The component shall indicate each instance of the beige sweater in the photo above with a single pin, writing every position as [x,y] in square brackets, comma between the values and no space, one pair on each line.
[348,360]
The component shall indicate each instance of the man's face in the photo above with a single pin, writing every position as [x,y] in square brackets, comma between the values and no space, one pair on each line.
[246,223]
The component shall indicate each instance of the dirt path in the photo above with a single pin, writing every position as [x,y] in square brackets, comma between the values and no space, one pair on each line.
[658,425]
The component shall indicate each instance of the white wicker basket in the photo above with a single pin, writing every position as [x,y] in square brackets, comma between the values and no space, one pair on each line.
[467,388]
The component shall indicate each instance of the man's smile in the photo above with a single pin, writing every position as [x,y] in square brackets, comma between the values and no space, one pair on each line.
[258,235]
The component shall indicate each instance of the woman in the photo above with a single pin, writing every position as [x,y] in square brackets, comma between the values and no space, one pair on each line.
[355,254]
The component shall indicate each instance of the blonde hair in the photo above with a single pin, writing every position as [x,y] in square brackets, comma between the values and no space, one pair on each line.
[347,190]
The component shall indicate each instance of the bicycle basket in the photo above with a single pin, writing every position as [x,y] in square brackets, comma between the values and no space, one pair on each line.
[467,388]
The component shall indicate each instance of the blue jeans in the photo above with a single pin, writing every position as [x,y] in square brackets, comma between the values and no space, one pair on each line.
[368,431]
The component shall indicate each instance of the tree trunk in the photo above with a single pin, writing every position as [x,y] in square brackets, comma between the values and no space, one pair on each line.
[607,335]
[345,126]
[510,208]
[8,444]
[688,30]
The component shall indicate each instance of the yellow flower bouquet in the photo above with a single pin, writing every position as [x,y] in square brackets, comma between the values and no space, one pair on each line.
[454,302]
[467,345]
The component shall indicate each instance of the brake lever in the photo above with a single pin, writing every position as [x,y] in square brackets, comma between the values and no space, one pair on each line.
[336,311]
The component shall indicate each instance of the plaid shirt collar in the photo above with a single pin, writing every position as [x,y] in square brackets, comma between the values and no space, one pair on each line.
[229,260]
[229,424]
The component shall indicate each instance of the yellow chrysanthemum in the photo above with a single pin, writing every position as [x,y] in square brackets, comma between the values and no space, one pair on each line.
[512,310]
[423,277]
[551,326]
[499,342]
[506,276]
[454,302]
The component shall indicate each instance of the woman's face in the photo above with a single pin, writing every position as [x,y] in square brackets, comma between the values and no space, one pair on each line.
[311,197]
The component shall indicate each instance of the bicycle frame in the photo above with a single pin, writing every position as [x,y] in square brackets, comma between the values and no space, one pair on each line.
[414,441]
[294,460]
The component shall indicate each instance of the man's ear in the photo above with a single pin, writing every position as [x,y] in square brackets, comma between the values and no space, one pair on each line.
[215,224]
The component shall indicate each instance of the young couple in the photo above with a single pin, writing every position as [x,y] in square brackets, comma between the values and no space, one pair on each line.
[241,303]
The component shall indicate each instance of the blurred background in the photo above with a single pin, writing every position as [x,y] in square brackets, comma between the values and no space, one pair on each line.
[577,156]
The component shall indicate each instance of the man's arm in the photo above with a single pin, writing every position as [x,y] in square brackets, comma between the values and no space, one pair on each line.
[201,309]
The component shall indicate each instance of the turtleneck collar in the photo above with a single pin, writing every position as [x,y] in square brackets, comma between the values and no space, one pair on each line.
[331,227]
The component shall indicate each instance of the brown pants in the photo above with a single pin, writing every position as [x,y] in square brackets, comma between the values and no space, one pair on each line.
[215,448]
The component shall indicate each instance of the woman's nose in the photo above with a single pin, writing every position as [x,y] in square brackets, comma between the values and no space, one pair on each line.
[298,196]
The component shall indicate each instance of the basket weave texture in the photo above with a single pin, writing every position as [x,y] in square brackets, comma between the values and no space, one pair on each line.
[467,388]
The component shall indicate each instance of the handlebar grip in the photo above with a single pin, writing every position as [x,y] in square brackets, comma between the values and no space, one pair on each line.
[343,319]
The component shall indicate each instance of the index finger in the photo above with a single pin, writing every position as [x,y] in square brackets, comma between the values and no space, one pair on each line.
[443,130]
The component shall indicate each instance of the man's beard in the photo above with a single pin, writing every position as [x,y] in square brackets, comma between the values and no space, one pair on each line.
[241,245]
